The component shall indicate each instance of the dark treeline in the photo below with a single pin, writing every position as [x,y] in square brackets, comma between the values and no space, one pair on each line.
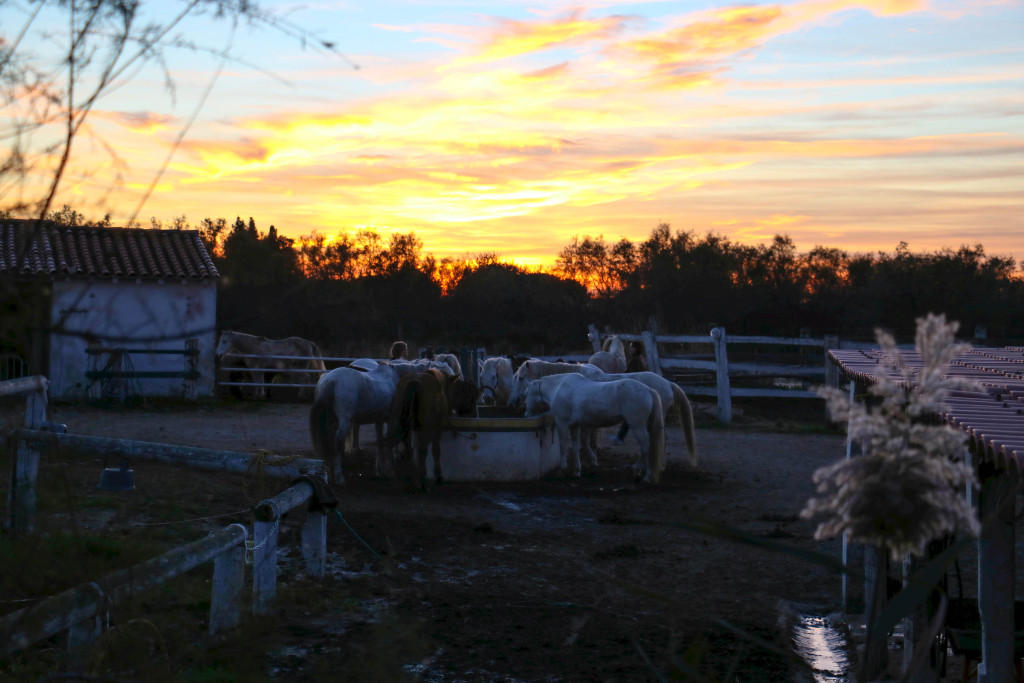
[357,292]
[688,282]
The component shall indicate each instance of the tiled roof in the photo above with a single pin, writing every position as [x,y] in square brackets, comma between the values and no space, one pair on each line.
[992,417]
[60,251]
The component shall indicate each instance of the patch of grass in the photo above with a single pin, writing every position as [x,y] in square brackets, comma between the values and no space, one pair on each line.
[42,566]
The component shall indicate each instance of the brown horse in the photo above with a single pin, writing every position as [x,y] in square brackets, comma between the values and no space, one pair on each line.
[420,408]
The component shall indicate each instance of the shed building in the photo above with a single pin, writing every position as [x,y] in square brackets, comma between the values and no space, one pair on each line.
[103,311]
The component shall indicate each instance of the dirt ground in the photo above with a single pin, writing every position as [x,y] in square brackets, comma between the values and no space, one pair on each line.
[596,579]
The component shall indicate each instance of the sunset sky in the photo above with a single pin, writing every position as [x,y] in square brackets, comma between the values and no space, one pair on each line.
[511,127]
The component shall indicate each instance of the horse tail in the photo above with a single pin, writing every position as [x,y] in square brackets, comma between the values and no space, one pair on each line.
[318,358]
[684,413]
[321,419]
[656,434]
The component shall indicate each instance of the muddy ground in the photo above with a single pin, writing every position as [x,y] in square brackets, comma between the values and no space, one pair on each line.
[596,579]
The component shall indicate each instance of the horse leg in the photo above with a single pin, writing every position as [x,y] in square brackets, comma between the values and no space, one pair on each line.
[385,466]
[574,449]
[334,465]
[435,448]
[259,391]
[587,446]
[643,467]
[353,439]
[563,443]
[421,459]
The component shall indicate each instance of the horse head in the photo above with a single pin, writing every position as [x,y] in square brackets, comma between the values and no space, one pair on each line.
[536,403]
[463,398]
[224,343]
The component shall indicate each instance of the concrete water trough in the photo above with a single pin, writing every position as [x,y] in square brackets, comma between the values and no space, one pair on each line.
[498,446]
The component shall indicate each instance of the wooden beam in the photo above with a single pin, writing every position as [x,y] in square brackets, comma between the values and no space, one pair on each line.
[997,572]
[722,375]
[199,458]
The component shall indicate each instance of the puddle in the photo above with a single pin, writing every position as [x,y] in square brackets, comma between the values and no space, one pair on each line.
[819,641]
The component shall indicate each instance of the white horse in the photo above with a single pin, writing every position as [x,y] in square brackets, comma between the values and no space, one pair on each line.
[310,359]
[345,398]
[495,378]
[612,356]
[451,360]
[672,396]
[535,369]
[403,368]
[580,404]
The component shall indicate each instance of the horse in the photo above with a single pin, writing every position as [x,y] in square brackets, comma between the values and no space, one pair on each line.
[231,342]
[612,356]
[405,367]
[495,377]
[535,369]
[348,397]
[464,397]
[420,407]
[579,404]
[672,396]
[345,398]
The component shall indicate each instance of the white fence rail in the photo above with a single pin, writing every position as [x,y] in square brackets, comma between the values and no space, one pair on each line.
[724,370]
[224,373]
[716,362]
[82,611]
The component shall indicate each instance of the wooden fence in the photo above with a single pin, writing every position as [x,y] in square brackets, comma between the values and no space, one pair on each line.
[116,375]
[717,362]
[467,359]
[82,611]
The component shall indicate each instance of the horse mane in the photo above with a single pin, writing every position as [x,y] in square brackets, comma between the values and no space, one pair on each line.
[613,344]
[399,350]
[450,360]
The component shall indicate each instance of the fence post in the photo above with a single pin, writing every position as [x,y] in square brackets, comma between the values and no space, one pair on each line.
[22,496]
[228,582]
[83,634]
[651,352]
[722,375]
[264,532]
[831,369]
[314,540]
[264,565]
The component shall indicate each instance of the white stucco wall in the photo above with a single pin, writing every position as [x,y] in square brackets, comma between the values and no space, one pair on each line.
[132,315]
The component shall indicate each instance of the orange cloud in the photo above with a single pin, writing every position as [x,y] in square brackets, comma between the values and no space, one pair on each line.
[685,55]
[513,38]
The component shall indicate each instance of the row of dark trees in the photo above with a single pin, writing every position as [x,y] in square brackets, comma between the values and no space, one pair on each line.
[359,291]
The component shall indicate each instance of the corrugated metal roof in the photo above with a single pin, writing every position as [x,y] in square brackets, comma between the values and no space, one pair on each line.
[992,418]
[27,248]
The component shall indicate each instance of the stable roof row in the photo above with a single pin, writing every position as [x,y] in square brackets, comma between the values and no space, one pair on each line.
[992,417]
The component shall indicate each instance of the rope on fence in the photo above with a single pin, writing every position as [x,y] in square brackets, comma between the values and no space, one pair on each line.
[254,476]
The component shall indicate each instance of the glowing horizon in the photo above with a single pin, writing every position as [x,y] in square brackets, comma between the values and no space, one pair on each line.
[510,128]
